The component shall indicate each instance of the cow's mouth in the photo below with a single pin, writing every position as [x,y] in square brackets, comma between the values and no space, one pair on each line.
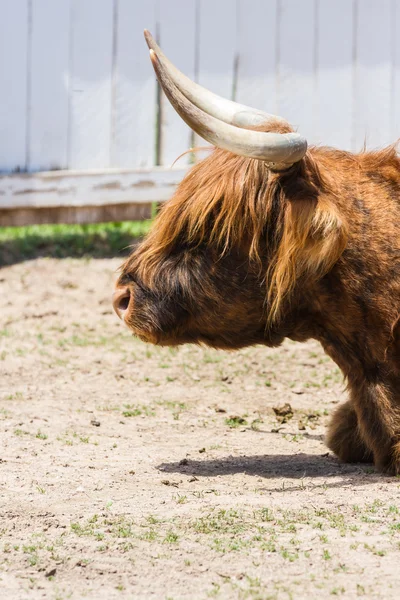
[142,333]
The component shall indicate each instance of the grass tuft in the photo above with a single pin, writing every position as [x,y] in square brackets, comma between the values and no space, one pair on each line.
[60,241]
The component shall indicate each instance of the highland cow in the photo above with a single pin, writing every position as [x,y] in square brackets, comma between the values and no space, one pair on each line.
[267,239]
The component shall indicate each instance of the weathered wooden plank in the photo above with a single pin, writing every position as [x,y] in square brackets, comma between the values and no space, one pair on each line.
[256,48]
[74,214]
[90,84]
[49,64]
[14,38]
[373,74]
[135,106]
[88,188]
[217,46]
[334,90]
[297,64]
[177,39]
[217,29]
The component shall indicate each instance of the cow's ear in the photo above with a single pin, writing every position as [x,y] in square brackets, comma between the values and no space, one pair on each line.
[318,234]
[313,236]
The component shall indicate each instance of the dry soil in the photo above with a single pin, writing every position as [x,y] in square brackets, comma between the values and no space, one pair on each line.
[130,471]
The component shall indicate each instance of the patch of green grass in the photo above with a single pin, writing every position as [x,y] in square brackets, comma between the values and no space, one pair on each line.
[176,407]
[265,514]
[234,422]
[16,396]
[221,521]
[338,591]
[59,241]
[360,590]
[68,442]
[211,357]
[214,592]
[324,539]
[151,519]
[136,410]
[374,550]
[31,551]
[108,408]
[65,441]
[255,424]
[20,432]
[123,530]
[293,438]
[180,499]
[171,537]
[150,535]
[87,528]
[287,555]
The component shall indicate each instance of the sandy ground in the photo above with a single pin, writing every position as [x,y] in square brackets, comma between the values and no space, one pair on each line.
[129,471]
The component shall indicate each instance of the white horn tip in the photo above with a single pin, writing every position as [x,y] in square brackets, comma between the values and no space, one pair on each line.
[148,37]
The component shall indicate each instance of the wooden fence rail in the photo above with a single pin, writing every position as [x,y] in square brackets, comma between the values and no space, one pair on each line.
[84,196]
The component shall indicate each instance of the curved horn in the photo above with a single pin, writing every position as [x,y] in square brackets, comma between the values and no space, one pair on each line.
[283,149]
[216,106]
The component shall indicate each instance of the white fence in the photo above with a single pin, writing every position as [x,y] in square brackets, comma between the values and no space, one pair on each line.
[78,91]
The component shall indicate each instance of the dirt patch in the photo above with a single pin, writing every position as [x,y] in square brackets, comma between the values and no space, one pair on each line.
[129,471]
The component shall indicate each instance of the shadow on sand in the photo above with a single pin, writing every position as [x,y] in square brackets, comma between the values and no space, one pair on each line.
[282,466]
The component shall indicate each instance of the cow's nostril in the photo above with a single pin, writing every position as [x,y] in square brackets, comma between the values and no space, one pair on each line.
[124,303]
[121,301]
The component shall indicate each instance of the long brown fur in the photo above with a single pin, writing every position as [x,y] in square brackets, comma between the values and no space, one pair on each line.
[244,255]
[240,191]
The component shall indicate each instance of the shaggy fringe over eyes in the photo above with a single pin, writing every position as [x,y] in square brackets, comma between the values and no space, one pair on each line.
[228,202]
[312,237]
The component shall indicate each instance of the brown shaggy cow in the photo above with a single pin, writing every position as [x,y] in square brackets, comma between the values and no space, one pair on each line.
[266,239]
